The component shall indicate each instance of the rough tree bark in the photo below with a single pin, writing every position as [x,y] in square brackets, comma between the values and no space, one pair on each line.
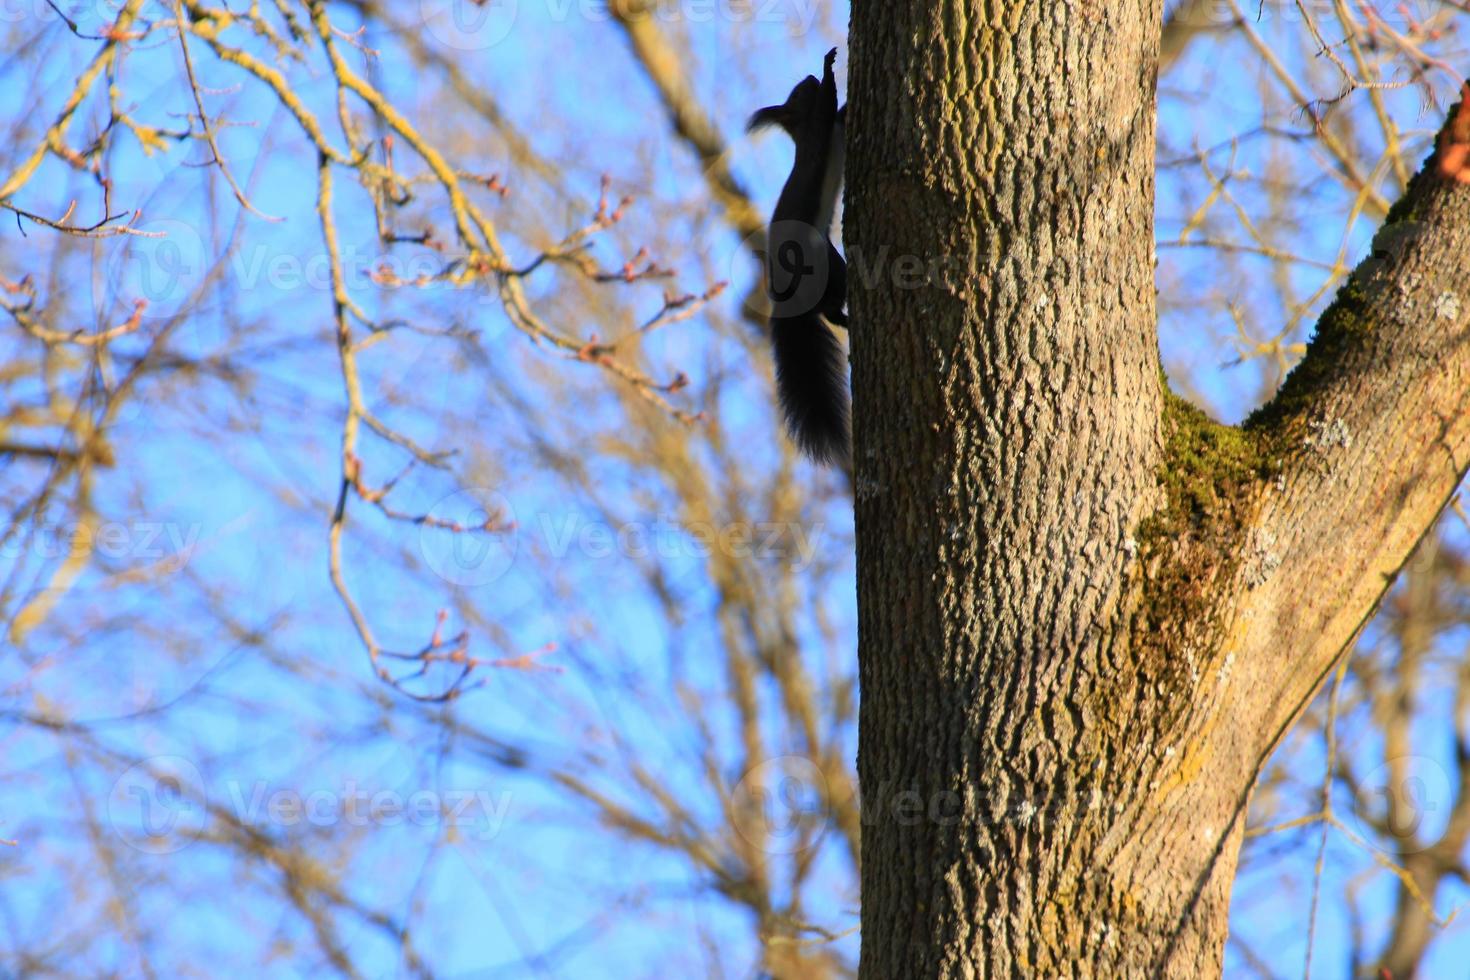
[1087,612]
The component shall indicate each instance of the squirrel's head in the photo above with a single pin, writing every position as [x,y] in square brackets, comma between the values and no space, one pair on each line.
[803,101]
[788,115]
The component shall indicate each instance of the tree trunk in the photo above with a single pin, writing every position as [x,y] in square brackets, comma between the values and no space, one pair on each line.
[1086,612]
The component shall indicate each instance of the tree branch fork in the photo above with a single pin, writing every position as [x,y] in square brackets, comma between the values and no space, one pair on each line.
[1291,527]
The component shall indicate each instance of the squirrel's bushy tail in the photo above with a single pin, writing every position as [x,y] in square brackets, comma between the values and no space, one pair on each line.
[811,379]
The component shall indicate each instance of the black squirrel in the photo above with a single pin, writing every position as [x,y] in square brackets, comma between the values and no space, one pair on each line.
[806,277]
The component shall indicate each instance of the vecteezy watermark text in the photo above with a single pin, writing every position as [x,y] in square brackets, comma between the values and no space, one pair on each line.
[161,805]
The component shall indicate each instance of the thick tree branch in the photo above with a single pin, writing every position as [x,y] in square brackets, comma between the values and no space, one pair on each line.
[1363,445]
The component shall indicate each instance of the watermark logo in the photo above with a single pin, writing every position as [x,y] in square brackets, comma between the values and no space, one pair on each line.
[469,25]
[780,806]
[1401,807]
[163,266]
[468,538]
[798,266]
[158,806]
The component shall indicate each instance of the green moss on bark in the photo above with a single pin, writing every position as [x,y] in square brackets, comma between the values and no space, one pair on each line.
[1207,468]
[1344,328]
[1191,547]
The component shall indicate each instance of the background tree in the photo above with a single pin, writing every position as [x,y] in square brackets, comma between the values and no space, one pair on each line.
[405,571]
